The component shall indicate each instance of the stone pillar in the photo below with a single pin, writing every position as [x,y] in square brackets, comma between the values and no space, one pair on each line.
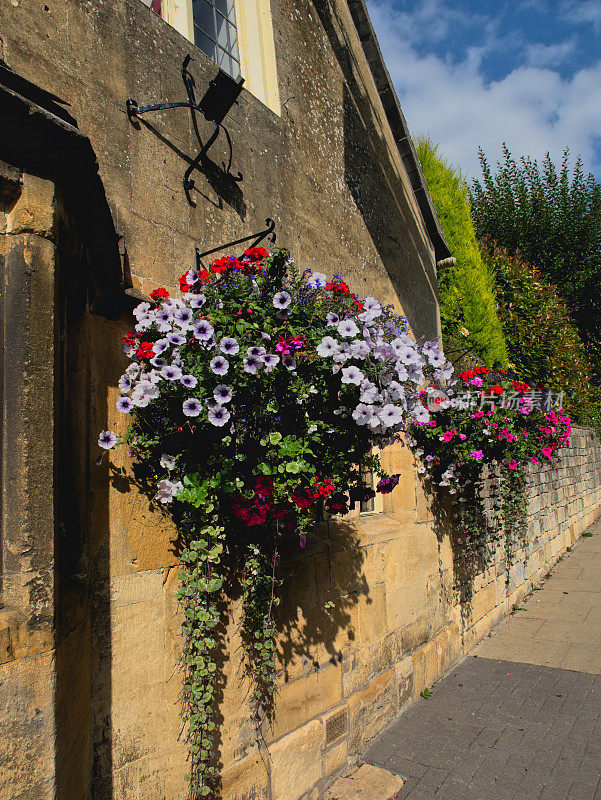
[27,330]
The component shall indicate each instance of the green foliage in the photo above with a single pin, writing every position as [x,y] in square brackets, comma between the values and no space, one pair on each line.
[466,290]
[544,346]
[553,220]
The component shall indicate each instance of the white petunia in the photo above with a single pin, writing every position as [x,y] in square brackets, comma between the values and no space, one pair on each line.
[347,328]
[352,375]
[167,462]
[328,347]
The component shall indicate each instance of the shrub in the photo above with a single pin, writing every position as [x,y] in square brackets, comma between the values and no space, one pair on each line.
[543,343]
[466,290]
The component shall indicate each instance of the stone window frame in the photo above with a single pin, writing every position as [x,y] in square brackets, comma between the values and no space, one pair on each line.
[255,43]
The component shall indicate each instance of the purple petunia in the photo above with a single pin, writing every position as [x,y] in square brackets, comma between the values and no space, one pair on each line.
[176,338]
[125,383]
[219,365]
[270,362]
[189,381]
[171,373]
[222,393]
[229,346]
[289,362]
[332,319]
[352,375]
[192,407]
[282,300]
[184,318]
[124,404]
[203,330]
[197,300]
[218,416]
[252,364]
[158,361]
[255,351]
[107,439]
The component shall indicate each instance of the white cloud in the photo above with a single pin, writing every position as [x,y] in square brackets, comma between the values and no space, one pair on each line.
[549,55]
[533,109]
[582,12]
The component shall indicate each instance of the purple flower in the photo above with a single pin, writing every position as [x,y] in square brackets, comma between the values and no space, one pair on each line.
[189,381]
[160,346]
[386,485]
[192,407]
[352,375]
[191,277]
[171,372]
[270,362]
[255,351]
[347,328]
[197,300]
[281,300]
[219,365]
[391,415]
[477,455]
[229,346]
[362,414]
[203,330]
[222,393]
[218,416]
[252,364]
[332,319]
[163,319]
[107,440]
[289,362]
[176,338]
[125,383]
[158,361]
[124,404]
[184,317]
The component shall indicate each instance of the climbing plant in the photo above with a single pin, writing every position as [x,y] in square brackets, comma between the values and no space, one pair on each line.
[256,398]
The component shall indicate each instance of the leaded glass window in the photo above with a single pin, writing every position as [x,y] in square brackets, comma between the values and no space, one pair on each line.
[215,33]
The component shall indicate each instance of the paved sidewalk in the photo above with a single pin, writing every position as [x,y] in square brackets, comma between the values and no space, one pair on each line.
[521,719]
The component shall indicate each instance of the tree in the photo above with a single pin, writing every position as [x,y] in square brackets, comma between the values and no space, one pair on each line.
[466,291]
[553,220]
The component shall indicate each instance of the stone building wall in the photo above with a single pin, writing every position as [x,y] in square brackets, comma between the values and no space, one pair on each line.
[96,717]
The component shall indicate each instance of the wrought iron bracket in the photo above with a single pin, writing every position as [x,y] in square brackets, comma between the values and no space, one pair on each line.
[268,233]
[221,95]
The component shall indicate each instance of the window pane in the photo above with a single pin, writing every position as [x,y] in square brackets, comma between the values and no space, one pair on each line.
[227,8]
[204,17]
[202,41]
[225,62]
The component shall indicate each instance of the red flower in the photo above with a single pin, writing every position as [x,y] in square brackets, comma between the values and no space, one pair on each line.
[323,488]
[520,387]
[183,282]
[255,253]
[145,350]
[338,286]
[303,498]
[129,340]
[159,294]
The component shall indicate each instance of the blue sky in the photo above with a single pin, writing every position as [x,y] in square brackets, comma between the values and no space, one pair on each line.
[468,73]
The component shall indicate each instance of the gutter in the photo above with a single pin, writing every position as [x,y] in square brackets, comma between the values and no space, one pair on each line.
[398,126]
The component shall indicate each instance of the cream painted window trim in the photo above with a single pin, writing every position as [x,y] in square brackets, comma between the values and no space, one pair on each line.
[255,44]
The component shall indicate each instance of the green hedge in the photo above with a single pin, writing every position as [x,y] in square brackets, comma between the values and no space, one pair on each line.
[544,345]
[466,291]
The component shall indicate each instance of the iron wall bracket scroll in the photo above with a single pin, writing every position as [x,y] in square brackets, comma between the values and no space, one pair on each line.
[268,233]
[221,95]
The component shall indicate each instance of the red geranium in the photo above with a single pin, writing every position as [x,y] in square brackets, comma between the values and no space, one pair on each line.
[255,253]
[183,282]
[159,294]
[145,350]
[303,498]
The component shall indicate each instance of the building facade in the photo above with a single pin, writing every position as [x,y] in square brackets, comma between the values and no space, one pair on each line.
[100,206]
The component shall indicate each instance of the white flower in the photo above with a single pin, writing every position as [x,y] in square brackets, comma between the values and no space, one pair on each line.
[289,362]
[192,407]
[189,381]
[328,347]
[436,358]
[196,300]
[347,328]
[184,318]
[359,349]
[164,319]
[107,439]
[191,277]
[270,362]
[134,369]
[252,364]
[171,372]
[141,310]
[218,416]
[401,371]
[317,280]
[229,346]
[167,490]
[416,374]
[370,304]
[222,393]
[362,414]
[167,462]
[391,415]
[420,414]
[282,300]
[332,319]
[125,383]
[352,375]
[369,392]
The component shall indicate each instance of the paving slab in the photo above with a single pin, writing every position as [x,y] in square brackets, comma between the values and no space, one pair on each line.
[520,719]
[366,782]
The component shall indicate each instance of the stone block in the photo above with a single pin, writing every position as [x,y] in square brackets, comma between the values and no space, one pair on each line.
[296,762]
[371,709]
[365,781]
[247,780]
[335,759]
[372,614]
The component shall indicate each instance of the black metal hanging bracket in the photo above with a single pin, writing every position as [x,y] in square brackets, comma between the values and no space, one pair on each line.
[219,98]
[268,233]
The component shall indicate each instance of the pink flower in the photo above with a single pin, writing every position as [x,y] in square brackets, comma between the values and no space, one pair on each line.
[432,423]
[448,435]
[535,459]
[547,451]
[463,437]
[477,455]
[476,382]
[513,464]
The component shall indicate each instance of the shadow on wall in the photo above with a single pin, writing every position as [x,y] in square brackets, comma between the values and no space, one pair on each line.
[311,634]
[378,190]
[83,633]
